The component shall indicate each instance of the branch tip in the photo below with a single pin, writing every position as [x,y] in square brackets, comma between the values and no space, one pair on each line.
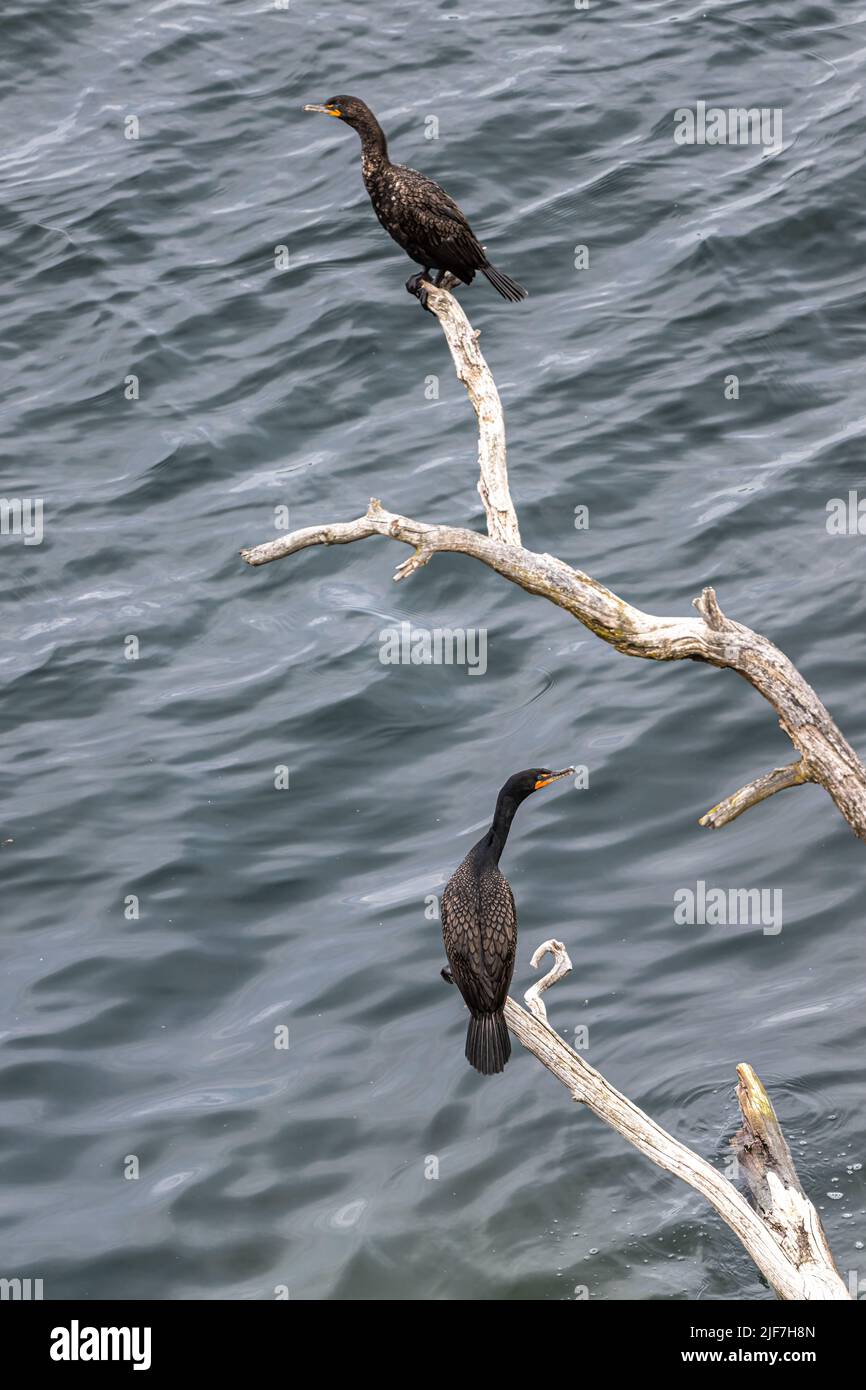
[708,607]
[792,775]
[419,557]
[560,968]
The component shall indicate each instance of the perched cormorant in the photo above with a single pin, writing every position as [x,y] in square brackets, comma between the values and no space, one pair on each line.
[479,927]
[415,211]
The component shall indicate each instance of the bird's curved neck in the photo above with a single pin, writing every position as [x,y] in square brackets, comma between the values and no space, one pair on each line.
[374,146]
[502,818]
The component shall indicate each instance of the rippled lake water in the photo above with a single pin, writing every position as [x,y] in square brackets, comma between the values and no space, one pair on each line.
[152,683]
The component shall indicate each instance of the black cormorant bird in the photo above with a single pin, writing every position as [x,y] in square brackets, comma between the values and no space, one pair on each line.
[415,211]
[479,927]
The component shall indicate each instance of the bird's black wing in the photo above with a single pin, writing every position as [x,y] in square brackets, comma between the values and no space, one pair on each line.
[432,220]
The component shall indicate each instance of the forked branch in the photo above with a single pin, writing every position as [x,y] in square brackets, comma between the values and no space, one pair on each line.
[823,755]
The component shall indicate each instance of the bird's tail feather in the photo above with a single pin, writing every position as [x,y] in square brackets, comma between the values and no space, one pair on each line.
[488,1046]
[508,288]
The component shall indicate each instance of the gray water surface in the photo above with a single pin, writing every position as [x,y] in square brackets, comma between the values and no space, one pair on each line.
[305,909]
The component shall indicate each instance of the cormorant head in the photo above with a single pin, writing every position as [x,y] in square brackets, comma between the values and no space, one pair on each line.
[349,109]
[523,784]
[516,790]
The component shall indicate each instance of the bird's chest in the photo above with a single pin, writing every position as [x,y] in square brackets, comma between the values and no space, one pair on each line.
[391,203]
[496,913]
[479,913]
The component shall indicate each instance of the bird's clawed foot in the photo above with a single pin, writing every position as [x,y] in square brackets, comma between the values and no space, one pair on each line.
[447,976]
[414,286]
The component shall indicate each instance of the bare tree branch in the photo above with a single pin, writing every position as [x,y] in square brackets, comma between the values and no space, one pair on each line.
[792,775]
[784,1236]
[560,968]
[825,756]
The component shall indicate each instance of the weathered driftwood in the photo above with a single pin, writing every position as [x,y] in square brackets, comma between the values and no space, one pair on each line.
[784,1236]
[825,757]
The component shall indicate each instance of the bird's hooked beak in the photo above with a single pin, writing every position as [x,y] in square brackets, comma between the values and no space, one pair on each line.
[325,110]
[554,777]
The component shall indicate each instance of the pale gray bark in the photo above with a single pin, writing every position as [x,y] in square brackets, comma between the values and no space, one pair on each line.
[824,755]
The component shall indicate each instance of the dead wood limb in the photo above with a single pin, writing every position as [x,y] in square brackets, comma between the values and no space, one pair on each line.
[792,775]
[824,755]
[784,1235]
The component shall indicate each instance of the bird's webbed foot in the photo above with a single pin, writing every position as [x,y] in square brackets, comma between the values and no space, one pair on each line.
[447,976]
[414,286]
